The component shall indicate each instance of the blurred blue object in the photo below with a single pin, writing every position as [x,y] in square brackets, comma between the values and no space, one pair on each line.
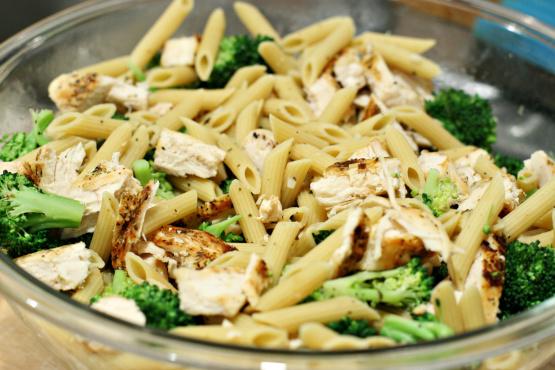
[513,40]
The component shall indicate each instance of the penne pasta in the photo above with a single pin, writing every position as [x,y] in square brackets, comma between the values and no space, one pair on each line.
[244,205]
[208,49]
[255,22]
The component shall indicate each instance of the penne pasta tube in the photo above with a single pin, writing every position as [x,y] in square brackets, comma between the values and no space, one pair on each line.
[167,77]
[203,133]
[284,131]
[339,105]
[240,164]
[93,285]
[186,108]
[472,234]
[407,61]
[137,148]
[300,40]
[161,31]
[141,271]
[289,111]
[320,55]
[425,125]
[293,180]
[400,148]
[245,75]
[471,309]
[207,190]
[274,168]
[320,160]
[445,306]
[117,142]
[373,124]
[291,318]
[527,213]
[243,203]
[169,211]
[112,67]
[413,44]
[255,22]
[247,120]
[101,241]
[278,247]
[210,99]
[78,124]
[210,43]
[294,287]
[275,57]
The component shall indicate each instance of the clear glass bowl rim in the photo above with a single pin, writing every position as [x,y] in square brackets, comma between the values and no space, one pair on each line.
[27,292]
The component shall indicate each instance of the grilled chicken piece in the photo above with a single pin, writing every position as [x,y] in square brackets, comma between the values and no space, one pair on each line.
[320,93]
[179,52]
[189,248]
[121,308]
[258,144]
[181,155]
[402,234]
[79,91]
[355,238]
[217,208]
[373,151]
[62,268]
[345,184]
[390,88]
[349,69]
[220,290]
[541,165]
[487,273]
[130,219]
[128,97]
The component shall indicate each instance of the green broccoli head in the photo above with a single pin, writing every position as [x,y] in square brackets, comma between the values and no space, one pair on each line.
[321,235]
[144,172]
[27,213]
[218,229]
[406,286]
[160,306]
[468,117]
[529,275]
[21,143]
[513,165]
[226,184]
[235,52]
[349,326]
[439,193]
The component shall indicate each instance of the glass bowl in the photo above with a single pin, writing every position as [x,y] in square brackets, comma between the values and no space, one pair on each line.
[482,47]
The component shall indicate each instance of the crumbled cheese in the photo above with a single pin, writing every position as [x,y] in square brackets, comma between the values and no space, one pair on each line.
[269,208]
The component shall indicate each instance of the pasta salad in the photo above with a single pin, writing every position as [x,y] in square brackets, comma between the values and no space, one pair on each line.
[311,191]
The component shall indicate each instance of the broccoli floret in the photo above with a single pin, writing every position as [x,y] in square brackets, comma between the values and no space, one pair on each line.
[321,235]
[529,275]
[407,331]
[348,326]
[439,193]
[160,306]
[225,185]
[144,172]
[406,286]
[21,143]
[218,229]
[440,273]
[120,116]
[27,213]
[235,52]
[513,165]
[468,117]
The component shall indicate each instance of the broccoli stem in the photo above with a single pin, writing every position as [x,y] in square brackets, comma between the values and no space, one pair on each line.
[218,229]
[47,211]
[431,182]
[42,119]
[120,282]
[142,171]
[411,327]
[397,335]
